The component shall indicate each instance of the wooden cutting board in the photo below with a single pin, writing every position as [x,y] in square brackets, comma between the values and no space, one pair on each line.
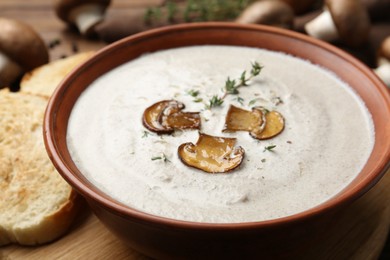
[359,233]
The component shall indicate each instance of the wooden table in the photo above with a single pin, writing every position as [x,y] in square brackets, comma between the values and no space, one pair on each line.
[359,233]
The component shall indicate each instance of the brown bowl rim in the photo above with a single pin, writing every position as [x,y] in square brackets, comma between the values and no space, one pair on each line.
[346,196]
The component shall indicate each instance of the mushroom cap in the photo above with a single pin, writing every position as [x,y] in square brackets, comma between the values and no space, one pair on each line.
[384,50]
[269,12]
[351,20]
[22,44]
[300,6]
[64,7]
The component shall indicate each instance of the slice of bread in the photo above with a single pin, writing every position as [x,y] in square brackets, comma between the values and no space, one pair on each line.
[36,204]
[45,79]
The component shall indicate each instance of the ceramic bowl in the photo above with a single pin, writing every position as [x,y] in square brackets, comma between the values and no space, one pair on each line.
[167,238]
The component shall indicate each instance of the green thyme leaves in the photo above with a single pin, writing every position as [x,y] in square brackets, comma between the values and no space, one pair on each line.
[162,157]
[232,86]
[269,148]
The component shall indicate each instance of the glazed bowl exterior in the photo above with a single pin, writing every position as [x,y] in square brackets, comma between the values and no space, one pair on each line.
[161,237]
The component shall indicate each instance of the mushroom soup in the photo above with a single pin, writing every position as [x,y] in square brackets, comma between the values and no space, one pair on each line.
[326,137]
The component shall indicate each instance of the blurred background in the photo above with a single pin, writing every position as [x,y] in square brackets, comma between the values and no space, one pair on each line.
[67,27]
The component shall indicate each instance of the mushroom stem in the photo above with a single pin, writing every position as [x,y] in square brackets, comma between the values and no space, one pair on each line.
[9,71]
[86,17]
[383,71]
[322,27]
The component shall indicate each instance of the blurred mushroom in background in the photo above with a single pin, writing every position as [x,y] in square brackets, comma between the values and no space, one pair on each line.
[341,20]
[85,15]
[301,20]
[268,12]
[301,6]
[114,28]
[377,9]
[383,61]
[21,50]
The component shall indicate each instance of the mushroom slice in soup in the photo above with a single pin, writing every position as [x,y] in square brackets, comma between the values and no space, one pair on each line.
[212,154]
[274,125]
[238,119]
[260,123]
[166,116]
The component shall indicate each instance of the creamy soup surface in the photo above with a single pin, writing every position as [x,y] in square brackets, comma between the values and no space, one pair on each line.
[327,139]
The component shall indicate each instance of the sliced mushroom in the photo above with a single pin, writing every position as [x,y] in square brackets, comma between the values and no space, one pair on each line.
[83,14]
[21,50]
[260,123]
[274,125]
[166,116]
[212,154]
[383,69]
[269,12]
[345,20]
[238,119]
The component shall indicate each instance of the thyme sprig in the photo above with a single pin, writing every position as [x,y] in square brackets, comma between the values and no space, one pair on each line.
[240,100]
[269,148]
[162,157]
[252,102]
[145,134]
[172,10]
[194,93]
[195,11]
[215,101]
[232,85]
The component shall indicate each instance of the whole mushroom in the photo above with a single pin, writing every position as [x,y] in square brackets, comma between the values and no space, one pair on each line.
[83,14]
[383,69]
[344,20]
[269,12]
[21,50]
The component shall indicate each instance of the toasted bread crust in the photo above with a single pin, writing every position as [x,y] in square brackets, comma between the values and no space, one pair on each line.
[37,205]
[52,226]
[43,80]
